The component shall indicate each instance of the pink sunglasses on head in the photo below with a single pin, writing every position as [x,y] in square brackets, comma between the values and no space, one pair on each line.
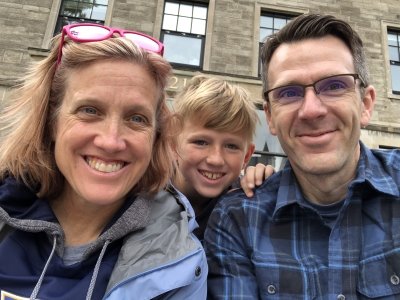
[90,32]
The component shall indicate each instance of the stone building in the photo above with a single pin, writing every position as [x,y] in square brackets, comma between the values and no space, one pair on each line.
[218,37]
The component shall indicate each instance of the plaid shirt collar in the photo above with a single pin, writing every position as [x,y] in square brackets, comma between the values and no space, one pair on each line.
[290,193]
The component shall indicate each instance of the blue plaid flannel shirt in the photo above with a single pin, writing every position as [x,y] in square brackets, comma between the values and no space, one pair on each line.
[276,246]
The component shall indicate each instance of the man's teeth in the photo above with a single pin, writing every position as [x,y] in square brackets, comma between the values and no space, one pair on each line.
[103,166]
[211,175]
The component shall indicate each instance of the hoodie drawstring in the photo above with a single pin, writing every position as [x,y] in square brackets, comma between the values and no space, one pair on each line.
[96,270]
[39,283]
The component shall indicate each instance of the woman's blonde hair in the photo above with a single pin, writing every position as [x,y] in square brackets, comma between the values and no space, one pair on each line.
[218,105]
[27,149]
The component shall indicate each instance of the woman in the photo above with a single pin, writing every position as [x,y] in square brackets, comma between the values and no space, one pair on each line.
[83,161]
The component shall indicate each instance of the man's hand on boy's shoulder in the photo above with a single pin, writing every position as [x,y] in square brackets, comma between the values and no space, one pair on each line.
[255,176]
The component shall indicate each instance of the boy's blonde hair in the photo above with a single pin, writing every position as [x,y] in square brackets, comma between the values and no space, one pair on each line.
[218,105]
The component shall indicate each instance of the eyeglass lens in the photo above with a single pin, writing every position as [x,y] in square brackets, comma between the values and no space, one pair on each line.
[95,33]
[89,32]
[328,89]
[143,41]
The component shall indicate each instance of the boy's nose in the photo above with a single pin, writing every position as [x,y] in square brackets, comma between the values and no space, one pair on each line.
[215,156]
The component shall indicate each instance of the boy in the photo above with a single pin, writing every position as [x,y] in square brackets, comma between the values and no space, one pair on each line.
[218,121]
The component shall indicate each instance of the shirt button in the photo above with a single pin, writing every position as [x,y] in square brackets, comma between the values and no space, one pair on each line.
[340,297]
[271,289]
[394,279]
[197,272]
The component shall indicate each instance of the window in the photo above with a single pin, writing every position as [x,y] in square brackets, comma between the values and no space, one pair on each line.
[183,32]
[80,11]
[270,23]
[394,57]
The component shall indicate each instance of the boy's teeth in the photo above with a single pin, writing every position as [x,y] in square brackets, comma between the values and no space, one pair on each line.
[211,175]
[103,166]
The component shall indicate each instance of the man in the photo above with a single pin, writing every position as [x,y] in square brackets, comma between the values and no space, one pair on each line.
[328,225]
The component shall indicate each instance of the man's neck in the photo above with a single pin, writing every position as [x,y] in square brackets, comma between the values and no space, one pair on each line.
[329,188]
[324,190]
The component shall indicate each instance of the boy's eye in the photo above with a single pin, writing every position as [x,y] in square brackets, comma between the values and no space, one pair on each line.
[232,146]
[200,142]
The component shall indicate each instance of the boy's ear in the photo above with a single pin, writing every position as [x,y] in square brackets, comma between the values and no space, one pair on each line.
[249,153]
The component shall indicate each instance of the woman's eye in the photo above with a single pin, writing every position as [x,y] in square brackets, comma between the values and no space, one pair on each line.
[138,119]
[89,110]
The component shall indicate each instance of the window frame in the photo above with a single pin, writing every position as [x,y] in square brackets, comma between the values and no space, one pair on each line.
[386,28]
[53,17]
[274,15]
[394,62]
[71,19]
[262,9]
[203,38]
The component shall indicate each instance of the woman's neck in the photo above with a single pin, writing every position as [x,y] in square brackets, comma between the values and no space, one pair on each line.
[81,223]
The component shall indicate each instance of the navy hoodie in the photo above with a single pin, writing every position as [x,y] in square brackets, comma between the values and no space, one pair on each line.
[26,249]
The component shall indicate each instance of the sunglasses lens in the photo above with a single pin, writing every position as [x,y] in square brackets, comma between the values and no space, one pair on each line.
[143,42]
[88,33]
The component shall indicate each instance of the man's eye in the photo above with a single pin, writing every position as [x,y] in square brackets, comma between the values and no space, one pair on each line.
[334,86]
[290,92]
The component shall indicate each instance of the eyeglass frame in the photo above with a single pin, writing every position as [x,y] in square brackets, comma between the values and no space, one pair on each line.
[304,86]
[66,30]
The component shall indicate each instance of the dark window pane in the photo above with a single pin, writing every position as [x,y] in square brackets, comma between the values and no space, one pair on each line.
[182,50]
[69,8]
[78,11]
[84,11]
[395,71]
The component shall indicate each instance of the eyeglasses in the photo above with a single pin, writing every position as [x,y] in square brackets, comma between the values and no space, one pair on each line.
[90,32]
[329,88]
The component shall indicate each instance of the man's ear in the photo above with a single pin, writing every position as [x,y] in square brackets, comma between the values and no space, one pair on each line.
[249,153]
[368,102]
[268,115]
